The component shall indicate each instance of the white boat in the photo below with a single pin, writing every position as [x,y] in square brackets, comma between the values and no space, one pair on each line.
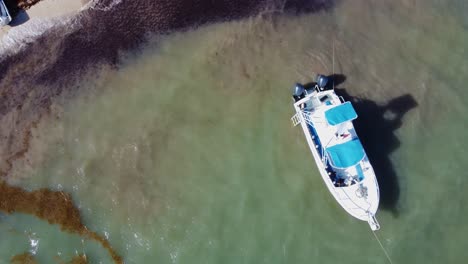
[341,159]
[5,17]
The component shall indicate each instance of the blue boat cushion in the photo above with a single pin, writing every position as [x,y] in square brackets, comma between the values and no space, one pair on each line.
[339,114]
[347,154]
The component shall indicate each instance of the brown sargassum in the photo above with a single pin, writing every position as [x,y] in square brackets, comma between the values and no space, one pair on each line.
[55,207]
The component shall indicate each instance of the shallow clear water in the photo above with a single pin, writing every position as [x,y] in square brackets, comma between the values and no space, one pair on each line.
[187,155]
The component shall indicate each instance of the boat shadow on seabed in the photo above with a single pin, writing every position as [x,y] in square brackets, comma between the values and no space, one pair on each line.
[376,126]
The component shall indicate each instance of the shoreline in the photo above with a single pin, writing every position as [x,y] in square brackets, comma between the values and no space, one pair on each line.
[45,9]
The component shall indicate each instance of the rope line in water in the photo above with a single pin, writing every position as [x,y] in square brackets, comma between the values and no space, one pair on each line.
[383,249]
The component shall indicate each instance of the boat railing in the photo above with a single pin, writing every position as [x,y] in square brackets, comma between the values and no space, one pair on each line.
[307,117]
[302,116]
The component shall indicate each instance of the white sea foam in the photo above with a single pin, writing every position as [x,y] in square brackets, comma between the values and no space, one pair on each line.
[98,5]
[34,243]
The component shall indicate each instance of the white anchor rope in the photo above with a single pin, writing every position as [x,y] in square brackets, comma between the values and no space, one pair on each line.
[381,246]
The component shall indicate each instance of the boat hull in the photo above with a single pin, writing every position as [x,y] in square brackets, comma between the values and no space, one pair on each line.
[360,200]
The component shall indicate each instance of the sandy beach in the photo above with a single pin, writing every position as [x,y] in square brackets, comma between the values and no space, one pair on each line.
[43,10]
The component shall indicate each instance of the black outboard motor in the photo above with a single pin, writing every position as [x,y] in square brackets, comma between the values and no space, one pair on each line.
[298,92]
[322,82]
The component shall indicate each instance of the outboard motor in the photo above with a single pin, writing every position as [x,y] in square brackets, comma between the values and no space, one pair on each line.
[298,92]
[322,82]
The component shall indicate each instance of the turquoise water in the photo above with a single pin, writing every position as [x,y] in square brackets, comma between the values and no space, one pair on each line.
[187,155]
